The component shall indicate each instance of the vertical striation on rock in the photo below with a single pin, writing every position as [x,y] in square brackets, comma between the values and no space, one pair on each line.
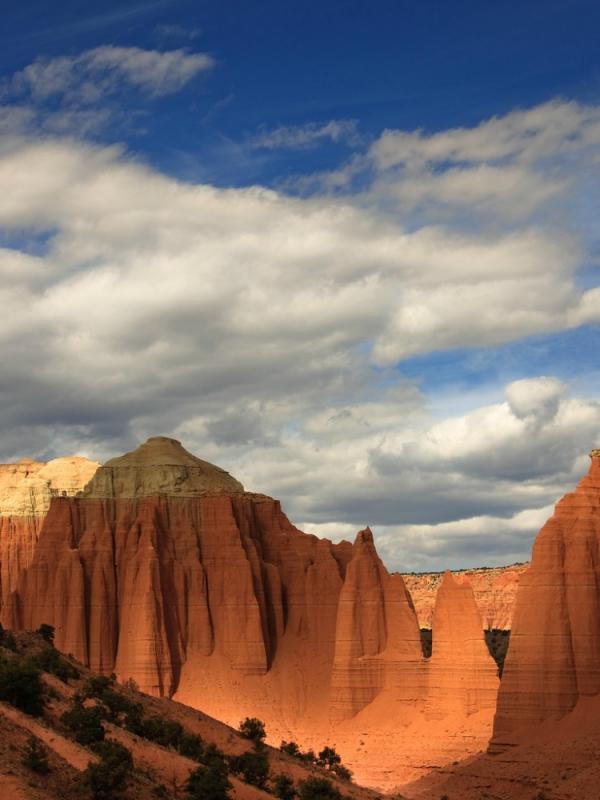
[376,631]
[165,570]
[26,489]
[462,676]
[554,655]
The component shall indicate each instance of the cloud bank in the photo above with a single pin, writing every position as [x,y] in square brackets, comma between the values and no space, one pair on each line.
[268,331]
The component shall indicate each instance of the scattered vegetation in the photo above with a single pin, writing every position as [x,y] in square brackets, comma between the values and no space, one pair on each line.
[284,788]
[21,685]
[47,633]
[253,729]
[50,660]
[209,782]
[328,758]
[107,779]
[253,766]
[7,640]
[36,757]
[318,789]
[85,722]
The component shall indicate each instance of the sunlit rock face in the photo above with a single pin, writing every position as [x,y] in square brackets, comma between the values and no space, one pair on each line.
[494,588]
[165,570]
[461,677]
[554,657]
[26,489]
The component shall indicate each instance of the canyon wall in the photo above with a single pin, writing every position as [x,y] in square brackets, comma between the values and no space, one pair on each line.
[164,570]
[553,663]
[26,489]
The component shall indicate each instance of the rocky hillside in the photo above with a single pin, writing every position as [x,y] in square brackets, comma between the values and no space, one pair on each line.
[70,734]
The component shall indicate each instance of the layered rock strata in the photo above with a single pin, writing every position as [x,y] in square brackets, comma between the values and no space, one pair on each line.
[164,570]
[26,489]
[495,591]
[461,677]
[553,662]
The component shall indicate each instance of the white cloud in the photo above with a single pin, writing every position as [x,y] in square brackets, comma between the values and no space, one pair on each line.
[301,137]
[263,330]
[87,78]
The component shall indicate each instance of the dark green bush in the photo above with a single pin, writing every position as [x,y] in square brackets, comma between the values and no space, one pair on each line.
[107,779]
[47,633]
[284,788]
[318,789]
[209,782]
[21,685]
[36,757]
[85,722]
[50,660]
[253,766]
[331,760]
[291,748]
[253,729]
[7,640]
[192,746]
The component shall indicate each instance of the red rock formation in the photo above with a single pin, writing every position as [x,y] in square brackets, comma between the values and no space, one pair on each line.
[166,571]
[376,631]
[26,489]
[462,676]
[554,656]
[495,591]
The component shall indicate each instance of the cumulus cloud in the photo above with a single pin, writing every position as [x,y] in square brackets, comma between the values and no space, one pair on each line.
[302,137]
[96,73]
[265,331]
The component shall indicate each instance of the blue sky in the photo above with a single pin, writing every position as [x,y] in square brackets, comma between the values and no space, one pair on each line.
[349,251]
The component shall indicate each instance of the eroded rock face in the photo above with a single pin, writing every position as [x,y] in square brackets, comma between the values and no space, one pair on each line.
[554,656]
[164,570]
[26,490]
[461,677]
[495,591]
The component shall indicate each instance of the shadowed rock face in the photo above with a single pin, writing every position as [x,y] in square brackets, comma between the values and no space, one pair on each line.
[554,656]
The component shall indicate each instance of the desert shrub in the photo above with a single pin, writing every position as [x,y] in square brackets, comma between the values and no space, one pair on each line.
[108,778]
[291,748]
[85,722]
[284,788]
[318,789]
[21,685]
[192,746]
[50,660]
[253,766]
[101,688]
[47,633]
[35,757]
[209,782]
[7,640]
[162,731]
[331,760]
[253,729]
[309,757]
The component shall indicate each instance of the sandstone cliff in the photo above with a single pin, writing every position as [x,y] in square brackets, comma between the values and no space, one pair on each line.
[495,591]
[164,570]
[553,662]
[26,490]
